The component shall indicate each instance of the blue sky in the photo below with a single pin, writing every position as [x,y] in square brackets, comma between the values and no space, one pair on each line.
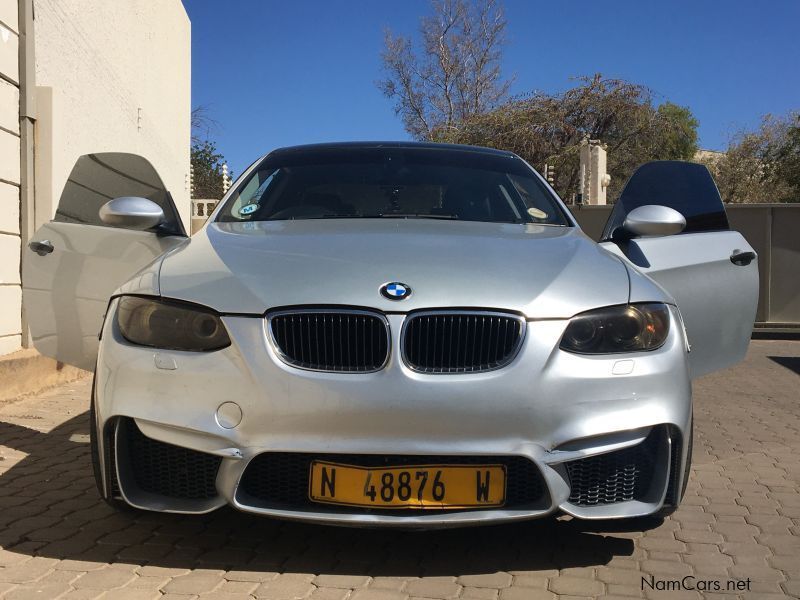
[276,73]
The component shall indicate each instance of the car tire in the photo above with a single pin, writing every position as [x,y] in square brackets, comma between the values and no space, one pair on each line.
[114,503]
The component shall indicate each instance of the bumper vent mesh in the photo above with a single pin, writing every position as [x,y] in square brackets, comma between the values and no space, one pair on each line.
[461,342]
[280,480]
[350,342]
[614,477]
[167,470]
[110,457]
[673,496]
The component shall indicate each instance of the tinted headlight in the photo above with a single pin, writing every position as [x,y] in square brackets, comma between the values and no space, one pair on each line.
[627,328]
[170,325]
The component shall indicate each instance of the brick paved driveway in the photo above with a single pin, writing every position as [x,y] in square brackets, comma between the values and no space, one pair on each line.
[740,519]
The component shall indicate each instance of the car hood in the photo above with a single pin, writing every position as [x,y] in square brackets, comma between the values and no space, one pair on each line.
[539,271]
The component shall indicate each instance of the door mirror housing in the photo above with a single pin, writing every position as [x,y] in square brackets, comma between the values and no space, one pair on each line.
[653,220]
[132,212]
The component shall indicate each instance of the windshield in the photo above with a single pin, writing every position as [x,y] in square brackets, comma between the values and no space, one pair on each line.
[392,183]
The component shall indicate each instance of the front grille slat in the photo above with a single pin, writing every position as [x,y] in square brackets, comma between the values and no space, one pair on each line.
[480,344]
[280,480]
[473,344]
[347,345]
[294,330]
[372,342]
[316,340]
[458,345]
[461,341]
[341,351]
[331,340]
[495,334]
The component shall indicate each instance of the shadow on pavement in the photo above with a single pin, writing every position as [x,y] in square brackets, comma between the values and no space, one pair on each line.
[49,507]
[790,362]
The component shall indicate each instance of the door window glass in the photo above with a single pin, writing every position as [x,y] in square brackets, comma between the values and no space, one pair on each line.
[683,186]
[97,178]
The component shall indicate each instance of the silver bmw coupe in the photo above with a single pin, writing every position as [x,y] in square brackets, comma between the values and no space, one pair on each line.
[391,334]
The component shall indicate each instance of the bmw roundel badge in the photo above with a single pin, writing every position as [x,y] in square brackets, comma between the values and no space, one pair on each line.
[394,290]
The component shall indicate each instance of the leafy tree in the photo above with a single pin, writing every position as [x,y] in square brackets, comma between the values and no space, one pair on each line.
[548,128]
[453,72]
[206,161]
[679,141]
[206,170]
[761,165]
[787,160]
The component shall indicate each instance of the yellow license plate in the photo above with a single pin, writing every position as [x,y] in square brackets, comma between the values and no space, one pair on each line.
[422,487]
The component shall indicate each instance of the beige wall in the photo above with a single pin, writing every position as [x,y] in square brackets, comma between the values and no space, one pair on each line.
[112,76]
[10,293]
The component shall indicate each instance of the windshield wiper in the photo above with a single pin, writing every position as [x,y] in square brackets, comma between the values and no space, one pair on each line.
[360,216]
[414,216]
[313,217]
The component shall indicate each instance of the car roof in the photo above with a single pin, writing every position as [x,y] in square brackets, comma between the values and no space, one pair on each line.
[333,146]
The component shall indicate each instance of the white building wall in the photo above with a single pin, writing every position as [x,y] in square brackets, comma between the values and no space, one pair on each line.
[10,291]
[112,76]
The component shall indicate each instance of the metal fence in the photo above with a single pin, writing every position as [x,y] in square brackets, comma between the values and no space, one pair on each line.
[773,230]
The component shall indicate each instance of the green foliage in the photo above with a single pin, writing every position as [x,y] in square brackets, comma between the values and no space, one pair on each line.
[548,128]
[787,161]
[206,170]
[761,165]
[679,139]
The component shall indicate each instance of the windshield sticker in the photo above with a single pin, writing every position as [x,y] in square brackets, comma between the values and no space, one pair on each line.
[248,209]
[537,214]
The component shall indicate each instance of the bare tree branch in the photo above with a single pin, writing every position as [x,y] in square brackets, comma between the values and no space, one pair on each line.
[202,124]
[453,73]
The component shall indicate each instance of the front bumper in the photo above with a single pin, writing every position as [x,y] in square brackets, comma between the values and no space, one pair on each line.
[551,408]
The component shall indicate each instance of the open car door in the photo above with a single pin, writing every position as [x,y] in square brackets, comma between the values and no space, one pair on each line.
[710,271]
[74,263]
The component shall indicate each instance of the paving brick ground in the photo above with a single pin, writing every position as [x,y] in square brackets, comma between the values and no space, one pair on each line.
[740,520]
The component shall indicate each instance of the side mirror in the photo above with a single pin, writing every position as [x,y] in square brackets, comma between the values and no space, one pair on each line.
[653,220]
[131,212]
